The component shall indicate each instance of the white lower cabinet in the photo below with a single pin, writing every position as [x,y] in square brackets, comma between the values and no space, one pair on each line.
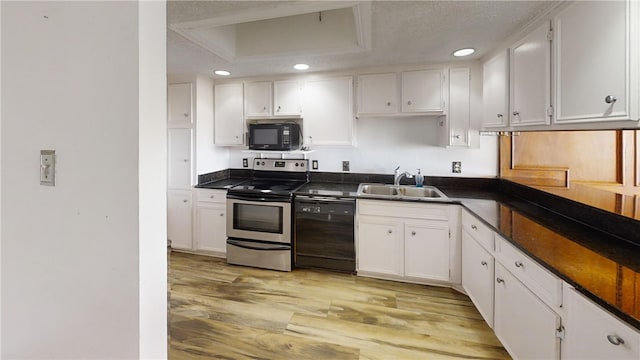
[179,216]
[525,325]
[210,234]
[403,241]
[592,333]
[477,276]
[381,245]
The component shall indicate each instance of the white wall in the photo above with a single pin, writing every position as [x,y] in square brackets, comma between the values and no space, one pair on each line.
[71,277]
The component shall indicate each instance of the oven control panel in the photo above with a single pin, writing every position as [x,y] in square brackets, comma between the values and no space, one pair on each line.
[296,165]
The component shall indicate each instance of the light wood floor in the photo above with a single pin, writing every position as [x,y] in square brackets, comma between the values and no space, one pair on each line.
[220,311]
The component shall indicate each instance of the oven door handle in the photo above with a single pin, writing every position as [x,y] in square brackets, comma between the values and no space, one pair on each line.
[256,199]
[244,245]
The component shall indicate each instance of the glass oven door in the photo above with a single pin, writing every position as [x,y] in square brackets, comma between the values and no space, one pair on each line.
[259,219]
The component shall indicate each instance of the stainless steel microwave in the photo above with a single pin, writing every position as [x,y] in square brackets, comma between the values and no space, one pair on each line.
[281,136]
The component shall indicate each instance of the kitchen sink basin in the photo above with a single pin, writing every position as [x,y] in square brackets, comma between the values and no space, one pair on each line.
[409,192]
[377,189]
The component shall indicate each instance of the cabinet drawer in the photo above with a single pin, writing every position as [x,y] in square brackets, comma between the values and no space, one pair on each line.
[403,209]
[215,196]
[479,231]
[539,280]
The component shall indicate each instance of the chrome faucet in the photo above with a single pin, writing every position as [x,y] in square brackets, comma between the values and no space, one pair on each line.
[398,176]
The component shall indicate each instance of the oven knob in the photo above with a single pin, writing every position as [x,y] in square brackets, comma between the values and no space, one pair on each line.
[301,164]
[262,163]
[296,164]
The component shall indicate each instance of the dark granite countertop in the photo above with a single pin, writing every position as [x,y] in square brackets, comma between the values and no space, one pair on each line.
[601,261]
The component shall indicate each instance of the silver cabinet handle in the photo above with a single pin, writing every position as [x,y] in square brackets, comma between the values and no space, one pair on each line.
[390,231]
[456,136]
[483,263]
[516,113]
[185,201]
[212,196]
[389,103]
[186,160]
[413,233]
[610,99]
[499,280]
[615,340]
[518,264]
[499,115]
[221,214]
[278,109]
[186,115]
[409,102]
[474,227]
[264,108]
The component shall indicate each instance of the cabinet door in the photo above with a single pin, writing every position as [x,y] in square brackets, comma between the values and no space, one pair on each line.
[380,248]
[458,121]
[423,91]
[530,80]
[229,115]
[179,164]
[495,91]
[591,333]
[477,276]
[592,61]
[328,111]
[257,98]
[286,98]
[523,323]
[378,94]
[179,229]
[179,105]
[426,250]
[211,228]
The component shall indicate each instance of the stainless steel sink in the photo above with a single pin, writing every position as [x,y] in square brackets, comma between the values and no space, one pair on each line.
[378,189]
[388,191]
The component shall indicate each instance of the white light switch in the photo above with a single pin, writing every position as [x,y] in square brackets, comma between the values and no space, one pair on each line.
[48,167]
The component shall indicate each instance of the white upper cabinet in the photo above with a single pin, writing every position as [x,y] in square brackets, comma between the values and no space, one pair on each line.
[595,71]
[229,114]
[495,91]
[180,106]
[287,97]
[530,80]
[378,93]
[457,124]
[328,111]
[257,99]
[424,91]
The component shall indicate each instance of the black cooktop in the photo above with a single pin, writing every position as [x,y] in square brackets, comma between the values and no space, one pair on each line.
[279,186]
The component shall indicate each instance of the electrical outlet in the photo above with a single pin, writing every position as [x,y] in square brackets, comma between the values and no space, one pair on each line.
[456,167]
[345,165]
[314,164]
[245,162]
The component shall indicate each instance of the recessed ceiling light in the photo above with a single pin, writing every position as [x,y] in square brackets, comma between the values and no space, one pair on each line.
[222,72]
[464,52]
[301,66]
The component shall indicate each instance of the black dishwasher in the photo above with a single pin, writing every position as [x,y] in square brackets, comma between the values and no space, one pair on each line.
[324,233]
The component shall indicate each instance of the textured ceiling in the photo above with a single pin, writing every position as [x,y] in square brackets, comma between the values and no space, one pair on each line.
[403,32]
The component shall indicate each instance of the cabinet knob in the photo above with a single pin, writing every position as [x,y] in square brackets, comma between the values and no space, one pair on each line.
[499,280]
[212,196]
[483,263]
[615,340]
[278,109]
[221,214]
[264,108]
[390,231]
[474,227]
[409,102]
[518,264]
[456,136]
[610,99]
[388,103]
[186,115]
[516,113]
[499,115]
[186,160]
[413,233]
[185,201]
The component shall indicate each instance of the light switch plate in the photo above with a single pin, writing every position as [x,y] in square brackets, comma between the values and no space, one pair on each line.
[48,167]
[245,162]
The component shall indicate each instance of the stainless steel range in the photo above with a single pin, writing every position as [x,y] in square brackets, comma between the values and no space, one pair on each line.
[259,220]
